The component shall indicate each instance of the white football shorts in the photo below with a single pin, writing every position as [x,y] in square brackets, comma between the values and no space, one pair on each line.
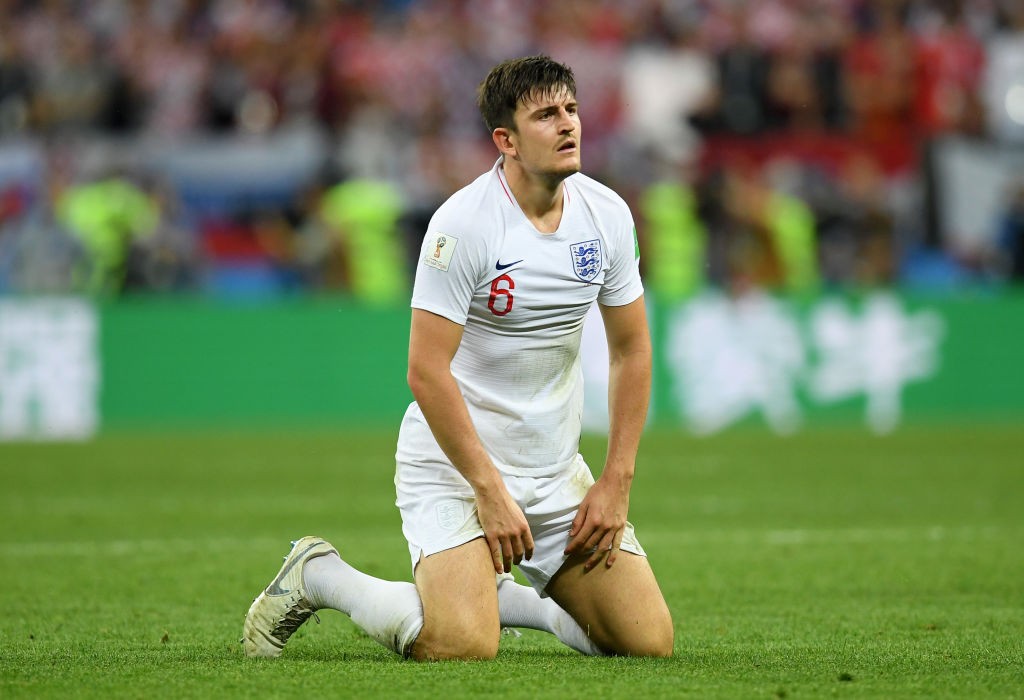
[438,509]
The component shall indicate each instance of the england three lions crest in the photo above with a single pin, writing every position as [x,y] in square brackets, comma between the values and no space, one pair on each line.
[586,259]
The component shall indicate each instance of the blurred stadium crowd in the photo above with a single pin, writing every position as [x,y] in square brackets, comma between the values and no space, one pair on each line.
[261,147]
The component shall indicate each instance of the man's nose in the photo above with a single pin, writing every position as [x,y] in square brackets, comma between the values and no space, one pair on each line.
[565,122]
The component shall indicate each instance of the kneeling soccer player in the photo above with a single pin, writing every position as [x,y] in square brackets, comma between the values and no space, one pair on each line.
[488,469]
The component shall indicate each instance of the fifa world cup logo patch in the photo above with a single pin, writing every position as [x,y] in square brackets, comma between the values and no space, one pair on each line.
[438,252]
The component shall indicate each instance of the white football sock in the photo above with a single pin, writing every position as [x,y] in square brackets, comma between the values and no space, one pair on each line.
[521,606]
[388,611]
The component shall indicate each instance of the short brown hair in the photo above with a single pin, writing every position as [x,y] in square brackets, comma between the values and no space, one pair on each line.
[515,80]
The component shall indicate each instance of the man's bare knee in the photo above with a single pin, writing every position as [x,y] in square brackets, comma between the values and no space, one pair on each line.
[650,638]
[663,644]
[657,642]
[467,645]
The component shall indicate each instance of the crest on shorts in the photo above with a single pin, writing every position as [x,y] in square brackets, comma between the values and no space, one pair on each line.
[586,259]
[450,515]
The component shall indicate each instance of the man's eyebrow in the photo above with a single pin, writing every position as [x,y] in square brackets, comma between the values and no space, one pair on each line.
[553,107]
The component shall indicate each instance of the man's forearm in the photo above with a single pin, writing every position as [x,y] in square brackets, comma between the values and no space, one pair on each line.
[629,391]
[445,410]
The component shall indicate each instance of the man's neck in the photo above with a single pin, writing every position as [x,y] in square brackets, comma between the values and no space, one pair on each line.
[540,199]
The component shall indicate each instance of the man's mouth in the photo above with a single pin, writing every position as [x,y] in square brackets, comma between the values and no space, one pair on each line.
[567,146]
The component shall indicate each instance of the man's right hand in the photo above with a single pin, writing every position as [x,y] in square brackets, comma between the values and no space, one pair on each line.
[505,527]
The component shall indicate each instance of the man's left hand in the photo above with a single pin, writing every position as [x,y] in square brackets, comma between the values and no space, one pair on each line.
[600,522]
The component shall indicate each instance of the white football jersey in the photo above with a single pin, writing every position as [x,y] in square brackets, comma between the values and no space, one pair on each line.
[522,297]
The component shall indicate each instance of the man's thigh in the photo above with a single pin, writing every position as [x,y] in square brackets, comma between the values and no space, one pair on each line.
[621,607]
[460,604]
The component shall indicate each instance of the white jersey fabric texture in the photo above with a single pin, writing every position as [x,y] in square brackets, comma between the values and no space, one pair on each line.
[522,297]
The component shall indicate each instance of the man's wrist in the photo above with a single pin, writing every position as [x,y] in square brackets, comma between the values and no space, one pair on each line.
[620,472]
[487,483]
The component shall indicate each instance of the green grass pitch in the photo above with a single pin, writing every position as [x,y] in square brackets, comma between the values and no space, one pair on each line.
[829,564]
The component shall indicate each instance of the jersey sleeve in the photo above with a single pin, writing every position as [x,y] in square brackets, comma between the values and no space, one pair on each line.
[447,271]
[622,280]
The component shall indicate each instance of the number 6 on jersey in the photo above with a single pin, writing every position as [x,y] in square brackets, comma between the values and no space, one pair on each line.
[498,291]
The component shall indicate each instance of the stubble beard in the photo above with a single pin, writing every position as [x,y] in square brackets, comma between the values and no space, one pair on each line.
[557,175]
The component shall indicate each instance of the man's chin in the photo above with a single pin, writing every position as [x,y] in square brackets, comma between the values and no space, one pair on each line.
[566,170]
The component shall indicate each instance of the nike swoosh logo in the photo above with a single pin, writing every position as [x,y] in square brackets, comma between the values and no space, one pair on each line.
[499,266]
[275,586]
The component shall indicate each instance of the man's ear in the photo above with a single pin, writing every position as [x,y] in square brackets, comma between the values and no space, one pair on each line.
[504,138]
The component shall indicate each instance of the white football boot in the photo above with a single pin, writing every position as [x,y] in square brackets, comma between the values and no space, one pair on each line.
[282,607]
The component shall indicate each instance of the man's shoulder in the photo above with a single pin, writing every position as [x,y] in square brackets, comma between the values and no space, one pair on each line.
[599,195]
[471,205]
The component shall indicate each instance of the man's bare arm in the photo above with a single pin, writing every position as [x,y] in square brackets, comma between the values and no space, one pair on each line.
[433,342]
[601,519]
